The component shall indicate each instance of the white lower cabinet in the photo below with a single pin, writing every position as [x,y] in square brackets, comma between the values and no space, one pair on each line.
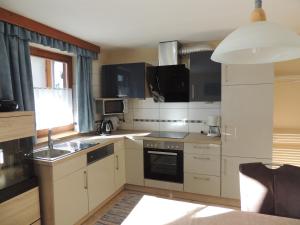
[70,198]
[134,162]
[230,175]
[101,182]
[202,169]
[120,176]
[202,184]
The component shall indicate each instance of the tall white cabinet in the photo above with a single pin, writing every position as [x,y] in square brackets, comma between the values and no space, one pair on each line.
[247,120]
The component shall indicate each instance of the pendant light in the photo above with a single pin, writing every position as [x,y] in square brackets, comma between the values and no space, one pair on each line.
[259,42]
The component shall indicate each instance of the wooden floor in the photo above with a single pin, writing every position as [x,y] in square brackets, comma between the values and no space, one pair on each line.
[206,200]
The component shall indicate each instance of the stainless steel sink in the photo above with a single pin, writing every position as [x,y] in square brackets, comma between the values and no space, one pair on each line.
[47,154]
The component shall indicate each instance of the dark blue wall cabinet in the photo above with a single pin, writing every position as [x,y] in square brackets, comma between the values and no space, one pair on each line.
[124,80]
[205,78]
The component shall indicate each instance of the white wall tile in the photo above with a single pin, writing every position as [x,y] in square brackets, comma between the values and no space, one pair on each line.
[146,114]
[173,114]
[204,105]
[176,126]
[173,105]
[151,126]
[202,114]
[147,103]
[196,127]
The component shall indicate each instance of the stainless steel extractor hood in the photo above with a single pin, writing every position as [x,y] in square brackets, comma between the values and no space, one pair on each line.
[168,53]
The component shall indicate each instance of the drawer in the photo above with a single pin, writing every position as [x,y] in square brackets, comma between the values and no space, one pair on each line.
[68,166]
[201,184]
[211,149]
[133,144]
[16,127]
[202,164]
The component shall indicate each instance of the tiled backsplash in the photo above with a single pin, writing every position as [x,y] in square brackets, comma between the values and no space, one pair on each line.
[188,117]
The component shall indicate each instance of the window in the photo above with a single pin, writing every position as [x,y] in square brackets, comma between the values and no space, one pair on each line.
[52,83]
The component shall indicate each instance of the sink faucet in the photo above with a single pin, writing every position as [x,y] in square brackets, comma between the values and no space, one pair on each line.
[50,141]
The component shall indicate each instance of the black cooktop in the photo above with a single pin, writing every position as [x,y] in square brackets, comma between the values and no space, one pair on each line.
[168,134]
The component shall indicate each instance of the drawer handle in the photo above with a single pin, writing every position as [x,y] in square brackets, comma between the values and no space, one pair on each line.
[202,178]
[201,158]
[201,147]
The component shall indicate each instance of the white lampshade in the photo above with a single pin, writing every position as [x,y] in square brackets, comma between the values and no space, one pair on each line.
[258,43]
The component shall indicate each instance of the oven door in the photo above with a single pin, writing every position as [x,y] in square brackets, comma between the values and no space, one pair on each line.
[164,165]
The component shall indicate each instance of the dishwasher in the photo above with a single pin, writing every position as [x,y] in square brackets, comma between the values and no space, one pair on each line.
[100,175]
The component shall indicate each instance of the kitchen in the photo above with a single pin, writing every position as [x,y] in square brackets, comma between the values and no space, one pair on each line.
[144,132]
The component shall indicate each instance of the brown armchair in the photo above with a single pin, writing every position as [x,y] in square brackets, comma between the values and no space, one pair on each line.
[270,191]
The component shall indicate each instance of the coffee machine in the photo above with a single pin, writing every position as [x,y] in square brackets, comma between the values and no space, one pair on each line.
[213,123]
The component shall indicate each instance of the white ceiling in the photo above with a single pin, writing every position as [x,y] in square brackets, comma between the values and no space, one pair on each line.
[143,23]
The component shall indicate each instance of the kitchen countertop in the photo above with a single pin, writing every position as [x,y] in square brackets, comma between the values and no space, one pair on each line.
[196,138]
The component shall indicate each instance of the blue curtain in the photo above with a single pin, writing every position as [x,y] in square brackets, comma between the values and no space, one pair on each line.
[84,94]
[15,68]
[16,77]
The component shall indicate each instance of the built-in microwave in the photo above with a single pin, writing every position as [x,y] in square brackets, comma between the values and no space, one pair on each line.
[112,106]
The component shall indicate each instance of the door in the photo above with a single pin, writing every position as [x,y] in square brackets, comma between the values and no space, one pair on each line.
[70,198]
[247,74]
[247,120]
[205,77]
[230,175]
[120,177]
[134,166]
[123,80]
[101,182]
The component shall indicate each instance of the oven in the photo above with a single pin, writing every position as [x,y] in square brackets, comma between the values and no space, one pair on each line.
[163,161]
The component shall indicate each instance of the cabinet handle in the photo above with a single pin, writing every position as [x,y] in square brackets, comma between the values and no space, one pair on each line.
[225,166]
[201,158]
[202,178]
[85,180]
[193,91]
[226,74]
[225,133]
[117,159]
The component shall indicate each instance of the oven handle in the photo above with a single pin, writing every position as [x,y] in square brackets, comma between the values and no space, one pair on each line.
[162,153]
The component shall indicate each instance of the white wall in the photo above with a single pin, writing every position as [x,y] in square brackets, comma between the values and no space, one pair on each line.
[186,117]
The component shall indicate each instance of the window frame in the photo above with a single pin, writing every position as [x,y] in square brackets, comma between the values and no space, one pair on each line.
[48,55]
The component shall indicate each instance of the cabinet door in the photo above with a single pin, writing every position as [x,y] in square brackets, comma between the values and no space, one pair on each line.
[205,77]
[100,181]
[247,120]
[120,177]
[70,198]
[247,74]
[230,175]
[134,166]
[123,80]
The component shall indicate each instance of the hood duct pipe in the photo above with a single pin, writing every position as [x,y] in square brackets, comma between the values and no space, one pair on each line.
[186,50]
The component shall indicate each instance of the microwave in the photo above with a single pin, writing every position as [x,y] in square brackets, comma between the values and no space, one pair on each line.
[113,106]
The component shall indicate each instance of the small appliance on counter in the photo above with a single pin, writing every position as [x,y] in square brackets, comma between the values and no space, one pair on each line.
[213,123]
[104,127]
[8,105]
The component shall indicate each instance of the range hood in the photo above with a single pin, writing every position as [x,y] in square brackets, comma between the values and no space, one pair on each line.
[169,82]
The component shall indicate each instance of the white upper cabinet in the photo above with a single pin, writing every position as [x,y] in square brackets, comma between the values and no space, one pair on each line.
[247,74]
[247,120]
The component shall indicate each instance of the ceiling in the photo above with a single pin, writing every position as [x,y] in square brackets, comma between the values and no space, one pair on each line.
[143,23]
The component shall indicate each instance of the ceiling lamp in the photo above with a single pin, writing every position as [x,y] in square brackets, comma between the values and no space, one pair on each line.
[259,42]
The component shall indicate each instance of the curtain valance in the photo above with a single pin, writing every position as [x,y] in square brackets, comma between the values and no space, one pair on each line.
[31,36]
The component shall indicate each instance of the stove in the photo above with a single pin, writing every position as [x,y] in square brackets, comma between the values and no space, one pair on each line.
[168,134]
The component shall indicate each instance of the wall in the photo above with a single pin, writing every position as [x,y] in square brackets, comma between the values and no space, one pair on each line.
[287,96]
[147,115]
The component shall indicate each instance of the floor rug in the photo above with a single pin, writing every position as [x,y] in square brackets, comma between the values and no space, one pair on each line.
[119,211]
